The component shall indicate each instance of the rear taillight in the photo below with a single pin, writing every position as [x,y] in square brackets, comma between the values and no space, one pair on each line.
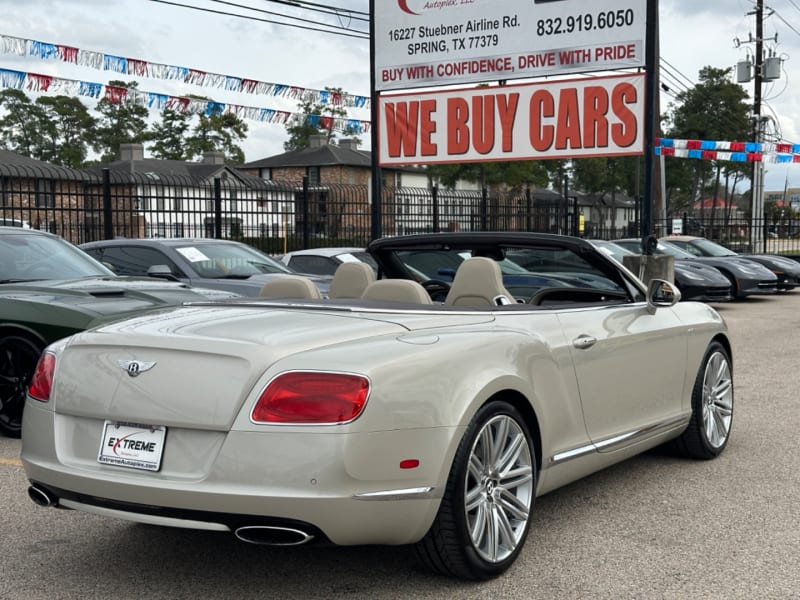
[311,397]
[42,380]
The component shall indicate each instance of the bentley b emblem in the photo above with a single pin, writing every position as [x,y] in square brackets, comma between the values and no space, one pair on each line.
[135,367]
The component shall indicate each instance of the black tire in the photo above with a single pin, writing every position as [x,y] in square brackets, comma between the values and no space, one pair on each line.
[503,488]
[735,293]
[18,357]
[712,407]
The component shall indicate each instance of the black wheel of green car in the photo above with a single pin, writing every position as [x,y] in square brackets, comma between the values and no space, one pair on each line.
[712,407]
[485,513]
[18,358]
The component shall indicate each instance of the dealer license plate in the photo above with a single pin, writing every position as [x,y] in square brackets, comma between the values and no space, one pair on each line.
[132,445]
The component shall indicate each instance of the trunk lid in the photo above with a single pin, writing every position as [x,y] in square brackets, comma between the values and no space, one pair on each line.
[198,364]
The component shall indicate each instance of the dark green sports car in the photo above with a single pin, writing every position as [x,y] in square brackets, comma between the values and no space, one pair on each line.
[50,289]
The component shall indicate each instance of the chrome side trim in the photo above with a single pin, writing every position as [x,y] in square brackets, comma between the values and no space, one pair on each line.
[425,493]
[572,453]
[141,518]
[618,441]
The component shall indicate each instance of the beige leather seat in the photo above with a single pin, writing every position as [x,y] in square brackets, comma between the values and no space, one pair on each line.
[397,290]
[478,282]
[291,286]
[350,280]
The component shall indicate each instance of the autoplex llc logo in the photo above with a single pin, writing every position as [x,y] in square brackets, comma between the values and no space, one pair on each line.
[417,7]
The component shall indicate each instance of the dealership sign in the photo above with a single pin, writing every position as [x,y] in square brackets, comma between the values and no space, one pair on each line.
[422,43]
[599,116]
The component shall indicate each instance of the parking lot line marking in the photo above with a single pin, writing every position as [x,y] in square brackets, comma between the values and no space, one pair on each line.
[12,462]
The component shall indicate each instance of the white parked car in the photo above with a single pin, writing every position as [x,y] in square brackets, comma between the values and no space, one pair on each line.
[9,222]
[386,419]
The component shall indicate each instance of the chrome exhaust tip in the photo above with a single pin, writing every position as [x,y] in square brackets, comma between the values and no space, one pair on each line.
[269,535]
[41,497]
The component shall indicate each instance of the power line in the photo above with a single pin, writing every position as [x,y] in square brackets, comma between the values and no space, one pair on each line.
[324,11]
[323,8]
[674,69]
[784,21]
[363,36]
[673,84]
[137,67]
[304,3]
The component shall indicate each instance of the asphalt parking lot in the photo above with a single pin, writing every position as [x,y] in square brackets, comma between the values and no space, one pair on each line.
[652,527]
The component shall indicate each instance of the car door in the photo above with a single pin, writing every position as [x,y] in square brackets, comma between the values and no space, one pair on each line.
[630,363]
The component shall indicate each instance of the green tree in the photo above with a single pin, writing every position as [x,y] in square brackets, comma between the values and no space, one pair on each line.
[311,120]
[122,122]
[169,135]
[608,175]
[217,133]
[714,109]
[512,174]
[21,125]
[66,130]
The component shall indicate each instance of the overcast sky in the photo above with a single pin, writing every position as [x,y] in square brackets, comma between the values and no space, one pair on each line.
[694,34]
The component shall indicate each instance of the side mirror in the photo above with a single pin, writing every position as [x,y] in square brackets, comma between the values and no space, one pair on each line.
[661,293]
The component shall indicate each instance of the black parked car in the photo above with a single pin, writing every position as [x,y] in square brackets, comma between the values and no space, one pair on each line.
[695,280]
[745,276]
[786,270]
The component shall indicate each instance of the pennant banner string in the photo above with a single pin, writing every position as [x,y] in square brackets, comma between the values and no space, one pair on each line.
[731,151]
[143,68]
[36,82]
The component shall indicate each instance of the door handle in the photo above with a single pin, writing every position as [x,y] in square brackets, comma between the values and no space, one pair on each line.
[583,342]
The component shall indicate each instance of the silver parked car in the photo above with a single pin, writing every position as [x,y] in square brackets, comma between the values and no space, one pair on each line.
[325,261]
[210,263]
[384,419]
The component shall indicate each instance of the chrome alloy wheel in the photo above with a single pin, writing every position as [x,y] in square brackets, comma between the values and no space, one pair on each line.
[498,488]
[717,400]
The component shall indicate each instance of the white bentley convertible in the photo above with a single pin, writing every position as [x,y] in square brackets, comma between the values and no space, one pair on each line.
[428,407]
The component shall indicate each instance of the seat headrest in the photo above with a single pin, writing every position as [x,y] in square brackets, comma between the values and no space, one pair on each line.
[478,282]
[290,286]
[350,280]
[397,290]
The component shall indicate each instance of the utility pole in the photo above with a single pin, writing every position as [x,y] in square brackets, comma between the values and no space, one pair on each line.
[760,70]
[757,189]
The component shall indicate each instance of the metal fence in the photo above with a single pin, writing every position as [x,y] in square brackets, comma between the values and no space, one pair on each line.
[277,217]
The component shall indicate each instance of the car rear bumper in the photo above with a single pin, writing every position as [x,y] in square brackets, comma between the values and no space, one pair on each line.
[318,486]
